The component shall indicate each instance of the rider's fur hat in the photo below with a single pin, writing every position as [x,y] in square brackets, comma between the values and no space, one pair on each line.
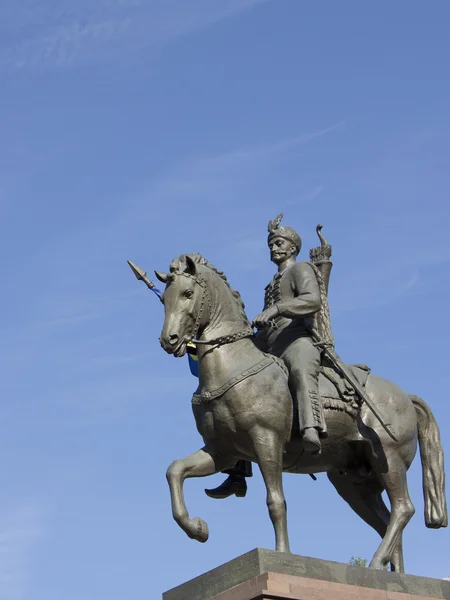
[284,232]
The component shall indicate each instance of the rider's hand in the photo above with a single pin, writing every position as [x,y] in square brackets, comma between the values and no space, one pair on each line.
[264,318]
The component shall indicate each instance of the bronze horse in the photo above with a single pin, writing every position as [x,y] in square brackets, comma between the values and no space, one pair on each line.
[244,410]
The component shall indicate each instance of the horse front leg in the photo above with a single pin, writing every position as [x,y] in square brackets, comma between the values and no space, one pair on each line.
[200,464]
[268,448]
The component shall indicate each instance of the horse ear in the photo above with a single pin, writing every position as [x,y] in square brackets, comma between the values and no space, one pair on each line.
[163,277]
[191,266]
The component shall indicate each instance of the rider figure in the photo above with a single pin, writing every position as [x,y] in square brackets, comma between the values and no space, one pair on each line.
[291,300]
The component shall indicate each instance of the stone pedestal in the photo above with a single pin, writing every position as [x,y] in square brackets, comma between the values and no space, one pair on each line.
[267,575]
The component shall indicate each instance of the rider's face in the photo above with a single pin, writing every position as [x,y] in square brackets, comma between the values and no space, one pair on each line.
[280,250]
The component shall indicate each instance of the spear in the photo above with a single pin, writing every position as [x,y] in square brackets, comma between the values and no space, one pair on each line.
[141,275]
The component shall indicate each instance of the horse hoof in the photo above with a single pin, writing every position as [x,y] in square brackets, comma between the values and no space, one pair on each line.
[377,565]
[198,530]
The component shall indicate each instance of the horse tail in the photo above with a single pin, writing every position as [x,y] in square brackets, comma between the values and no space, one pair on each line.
[432,457]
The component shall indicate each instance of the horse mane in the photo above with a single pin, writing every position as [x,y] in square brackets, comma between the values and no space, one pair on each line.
[178,263]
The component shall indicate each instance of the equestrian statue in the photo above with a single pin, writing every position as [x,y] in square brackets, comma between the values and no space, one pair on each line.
[282,398]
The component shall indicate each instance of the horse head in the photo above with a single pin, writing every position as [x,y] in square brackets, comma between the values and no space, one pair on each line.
[184,302]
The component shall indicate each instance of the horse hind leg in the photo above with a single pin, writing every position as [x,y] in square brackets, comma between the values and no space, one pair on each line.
[268,448]
[397,562]
[402,509]
[365,498]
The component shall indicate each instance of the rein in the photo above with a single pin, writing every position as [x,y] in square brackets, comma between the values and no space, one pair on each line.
[226,339]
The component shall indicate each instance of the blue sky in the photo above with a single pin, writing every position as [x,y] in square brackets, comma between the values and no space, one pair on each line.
[142,129]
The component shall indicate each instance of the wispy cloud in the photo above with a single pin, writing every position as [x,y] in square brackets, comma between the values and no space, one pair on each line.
[100,401]
[215,176]
[257,152]
[58,316]
[373,288]
[20,530]
[66,311]
[213,186]
[110,362]
[247,252]
[63,34]
[241,155]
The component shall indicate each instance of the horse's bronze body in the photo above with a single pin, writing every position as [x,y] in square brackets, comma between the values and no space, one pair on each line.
[244,410]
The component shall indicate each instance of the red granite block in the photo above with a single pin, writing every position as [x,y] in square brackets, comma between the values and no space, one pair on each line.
[276,586]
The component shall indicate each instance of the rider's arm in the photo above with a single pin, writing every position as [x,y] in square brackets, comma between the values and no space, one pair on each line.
[306,291]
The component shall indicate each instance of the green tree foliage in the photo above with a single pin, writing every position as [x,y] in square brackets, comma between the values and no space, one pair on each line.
[358,561]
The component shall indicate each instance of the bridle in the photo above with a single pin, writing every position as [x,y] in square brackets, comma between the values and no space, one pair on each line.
[218,341]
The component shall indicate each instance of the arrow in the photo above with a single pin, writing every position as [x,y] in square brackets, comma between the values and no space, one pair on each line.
[141,275]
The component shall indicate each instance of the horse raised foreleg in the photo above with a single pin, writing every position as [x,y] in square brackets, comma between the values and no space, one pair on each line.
[269,453]
[200,464]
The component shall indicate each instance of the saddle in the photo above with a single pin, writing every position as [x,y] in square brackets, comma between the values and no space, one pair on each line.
[336,393]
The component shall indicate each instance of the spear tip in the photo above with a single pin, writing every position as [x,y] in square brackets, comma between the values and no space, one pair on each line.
[139,273]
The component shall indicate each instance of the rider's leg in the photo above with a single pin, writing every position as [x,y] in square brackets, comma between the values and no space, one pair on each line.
[303,361]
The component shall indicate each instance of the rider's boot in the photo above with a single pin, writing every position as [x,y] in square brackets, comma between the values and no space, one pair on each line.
[311,440]
[234,484]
